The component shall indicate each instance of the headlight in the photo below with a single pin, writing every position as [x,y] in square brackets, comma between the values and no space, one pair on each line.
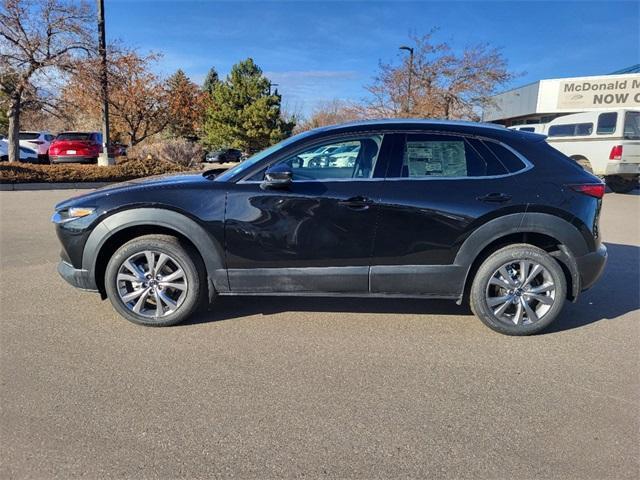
[77,212]
[73,213]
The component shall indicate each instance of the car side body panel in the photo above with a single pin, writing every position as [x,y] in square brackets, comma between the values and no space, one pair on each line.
[417,238]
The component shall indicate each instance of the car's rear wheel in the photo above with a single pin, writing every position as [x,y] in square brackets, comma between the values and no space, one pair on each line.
[620,184]
[154,280]
[518,290]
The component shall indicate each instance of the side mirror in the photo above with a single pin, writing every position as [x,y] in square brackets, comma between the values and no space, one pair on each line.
[277,176]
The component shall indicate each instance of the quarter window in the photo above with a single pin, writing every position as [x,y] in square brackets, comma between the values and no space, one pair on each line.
[506,157]
[607,123]
[352,158]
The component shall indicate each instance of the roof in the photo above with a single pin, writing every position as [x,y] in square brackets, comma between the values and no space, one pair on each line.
[403,123]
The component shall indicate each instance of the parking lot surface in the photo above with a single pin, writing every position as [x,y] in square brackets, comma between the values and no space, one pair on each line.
[310,387]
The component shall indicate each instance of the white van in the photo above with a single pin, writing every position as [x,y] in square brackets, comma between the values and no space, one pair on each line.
[530,127]
[605,143]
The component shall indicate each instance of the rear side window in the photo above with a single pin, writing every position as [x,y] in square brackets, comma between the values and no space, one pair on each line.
[607,123]
[632,125]
[527,129]
[571,130]
[446,156]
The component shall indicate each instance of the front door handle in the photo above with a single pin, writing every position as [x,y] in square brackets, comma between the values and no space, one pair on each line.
[356,203]
[495,197]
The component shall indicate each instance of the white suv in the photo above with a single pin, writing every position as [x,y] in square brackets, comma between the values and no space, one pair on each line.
[38,141]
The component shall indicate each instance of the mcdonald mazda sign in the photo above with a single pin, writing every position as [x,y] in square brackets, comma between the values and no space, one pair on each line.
[606,92]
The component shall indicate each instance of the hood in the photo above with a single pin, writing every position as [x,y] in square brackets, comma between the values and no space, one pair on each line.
[148,183]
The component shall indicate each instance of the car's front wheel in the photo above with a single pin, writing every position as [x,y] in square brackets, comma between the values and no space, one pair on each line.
[518,290]
[153,280]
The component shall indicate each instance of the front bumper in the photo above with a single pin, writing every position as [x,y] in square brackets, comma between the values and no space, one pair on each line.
[77,277]
[591,266]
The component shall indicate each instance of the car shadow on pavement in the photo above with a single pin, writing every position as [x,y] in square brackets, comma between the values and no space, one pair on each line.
[235,307]
[616,293]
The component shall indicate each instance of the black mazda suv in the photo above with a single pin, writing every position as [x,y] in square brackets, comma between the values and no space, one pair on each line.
[392,208]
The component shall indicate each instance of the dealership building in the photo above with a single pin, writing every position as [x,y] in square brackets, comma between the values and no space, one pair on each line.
[544,100]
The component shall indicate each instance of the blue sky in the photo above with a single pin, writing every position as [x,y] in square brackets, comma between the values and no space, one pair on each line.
[318,51]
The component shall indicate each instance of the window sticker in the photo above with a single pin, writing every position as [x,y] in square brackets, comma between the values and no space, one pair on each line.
[443,159]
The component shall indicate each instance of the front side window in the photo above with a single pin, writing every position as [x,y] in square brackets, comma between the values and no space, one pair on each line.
[607,123]
[339,159]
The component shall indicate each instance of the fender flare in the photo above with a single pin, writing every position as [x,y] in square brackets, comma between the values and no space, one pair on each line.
[210,250]
[572,243]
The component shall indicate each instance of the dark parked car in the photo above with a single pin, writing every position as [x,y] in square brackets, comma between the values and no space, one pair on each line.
[428,209]
[223,156]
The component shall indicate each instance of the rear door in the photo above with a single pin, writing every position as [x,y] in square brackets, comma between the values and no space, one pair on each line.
[439,188]
[316,235]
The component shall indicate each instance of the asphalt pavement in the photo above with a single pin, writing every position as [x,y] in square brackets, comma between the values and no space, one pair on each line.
[310,387]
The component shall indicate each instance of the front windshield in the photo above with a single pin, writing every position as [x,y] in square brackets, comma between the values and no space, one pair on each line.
[251,161]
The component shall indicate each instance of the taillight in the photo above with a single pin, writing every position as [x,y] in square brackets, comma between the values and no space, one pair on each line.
[616,153]
[595,190]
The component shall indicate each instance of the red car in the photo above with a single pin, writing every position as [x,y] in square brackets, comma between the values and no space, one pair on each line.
[78,147]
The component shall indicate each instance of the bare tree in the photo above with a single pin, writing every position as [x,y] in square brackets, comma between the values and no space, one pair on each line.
[138,98]
[445,84]
[38,39]
[330,113]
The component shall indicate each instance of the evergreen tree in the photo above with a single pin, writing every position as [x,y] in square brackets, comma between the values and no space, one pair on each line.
[243,114]
[210,81]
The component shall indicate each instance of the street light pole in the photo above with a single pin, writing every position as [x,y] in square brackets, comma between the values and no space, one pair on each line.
[103,159]
[407,105]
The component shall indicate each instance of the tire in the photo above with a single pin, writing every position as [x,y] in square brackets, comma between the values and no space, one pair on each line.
[584,163]
[619,184]
[489,286]
[179,295]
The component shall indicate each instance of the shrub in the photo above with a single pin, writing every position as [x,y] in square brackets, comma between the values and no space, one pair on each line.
[179,151]
[125,170]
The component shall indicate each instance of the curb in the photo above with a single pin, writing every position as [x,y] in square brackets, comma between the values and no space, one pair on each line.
[11,187]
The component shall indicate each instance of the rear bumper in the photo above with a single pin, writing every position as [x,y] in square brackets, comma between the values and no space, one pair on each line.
[71,159]
[615,167]
[77,277]
[591,266]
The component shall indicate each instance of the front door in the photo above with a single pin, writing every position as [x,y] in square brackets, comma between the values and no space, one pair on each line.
[316,234]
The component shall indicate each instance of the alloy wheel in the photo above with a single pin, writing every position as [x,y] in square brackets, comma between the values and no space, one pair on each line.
[151,284]
[520,292]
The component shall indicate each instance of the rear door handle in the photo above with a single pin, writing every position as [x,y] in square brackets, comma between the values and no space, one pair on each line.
[495,197]
[356,203]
